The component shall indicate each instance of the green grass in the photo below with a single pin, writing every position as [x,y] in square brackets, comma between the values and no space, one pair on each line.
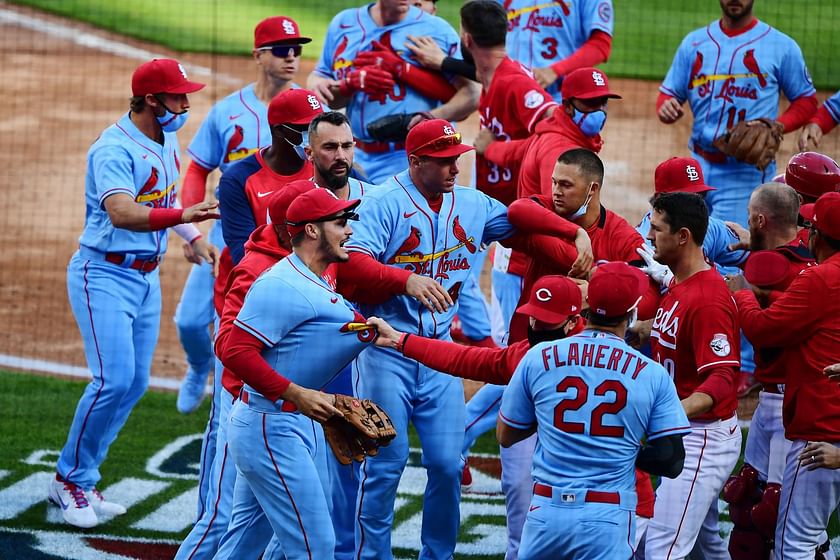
[647,32]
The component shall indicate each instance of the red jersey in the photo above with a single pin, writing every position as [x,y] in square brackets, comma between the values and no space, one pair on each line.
[613,239]
[511,107]
[695,336]
[804,321]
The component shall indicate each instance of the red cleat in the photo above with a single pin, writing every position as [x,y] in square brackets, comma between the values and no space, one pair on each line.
[466,478]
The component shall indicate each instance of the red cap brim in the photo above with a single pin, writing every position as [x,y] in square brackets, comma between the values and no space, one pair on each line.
[542,314]
[807,211]
[186,87]
[596,95]
[449,151]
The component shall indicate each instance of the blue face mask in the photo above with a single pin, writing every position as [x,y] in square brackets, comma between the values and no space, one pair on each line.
[583,207]
[590,123]
[169,121]
[299,147]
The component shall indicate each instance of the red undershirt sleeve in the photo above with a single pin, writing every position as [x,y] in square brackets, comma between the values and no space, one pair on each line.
[467,362]
[719,384]
[242,356]
[798,112]
[593,52]
[194,185]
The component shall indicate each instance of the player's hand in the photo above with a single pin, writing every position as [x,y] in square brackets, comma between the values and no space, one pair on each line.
[370,80]
[545,76]
[189,253]
[820,455]
[428,292]
[639,334]
[381,57]
[200,212]
[484,138]
[208,253]
[670,112]
[388,336]
[585,259]
[425,51]
[583,286]
[324,88]
[743,237]
[418,118]
[660,273]
[736,282]
[810,133]
[313,404]
[833,372]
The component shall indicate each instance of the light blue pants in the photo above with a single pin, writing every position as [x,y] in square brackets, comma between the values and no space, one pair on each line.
[472,307]
[118,314]
[434,403]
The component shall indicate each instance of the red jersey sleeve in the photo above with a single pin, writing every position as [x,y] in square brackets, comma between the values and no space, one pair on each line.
[242,356]
[527,101]
[491,365]
[714,338]
[531,215]
[507,154]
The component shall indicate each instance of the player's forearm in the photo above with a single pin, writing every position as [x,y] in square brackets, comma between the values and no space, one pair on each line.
[824,120]
[467,362]
[241,355]
[527,215]
[786,321]
[663,456]
[428,83]
[458,67]
[799,112]
[593,52]
[720,384]
[124,213]
[506,154]
[508,435]
[462,104]
[363,277]
[194,186]
[697,404]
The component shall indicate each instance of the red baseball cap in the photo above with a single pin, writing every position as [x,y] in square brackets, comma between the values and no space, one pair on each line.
[280,200]
[162,75]
[807,211]
[316,205]
[615,288]
[435,138]
[768,270]
[294,106]
[586,83]
[553,299]
[278,29]
[679,174]
[825,215]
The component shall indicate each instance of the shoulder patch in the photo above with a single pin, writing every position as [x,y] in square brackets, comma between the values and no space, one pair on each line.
[720,345]
[534,99]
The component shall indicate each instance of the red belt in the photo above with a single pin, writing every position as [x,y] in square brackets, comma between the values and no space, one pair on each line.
[138,264]
[711,157]
[771,388]
[379,147]
[287,406]
[591,495]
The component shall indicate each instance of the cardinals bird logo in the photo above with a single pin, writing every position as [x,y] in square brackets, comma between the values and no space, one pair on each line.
[696,66]
[232,152]
[461,235]
[752,65]
[409,245]
[146,193]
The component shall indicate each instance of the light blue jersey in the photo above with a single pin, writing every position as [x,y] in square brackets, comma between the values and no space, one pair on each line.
[715,245]
[123,160]
[594,399]
[309,341]
[832,105]
[541,33]
[397,227]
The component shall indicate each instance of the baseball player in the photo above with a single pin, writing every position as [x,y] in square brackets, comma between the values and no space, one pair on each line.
[684,174]
[420,222]
[803,321]
[592,399]
[694,335]
[823,121]
[244,191]
[554,38]
[778,256]
[371,93]
[273,436]
[730,71]
[234,129]
[112,280]
[811,175]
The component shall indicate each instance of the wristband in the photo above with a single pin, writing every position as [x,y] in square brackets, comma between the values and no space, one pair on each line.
[162,218]
[401,342]
[187,232]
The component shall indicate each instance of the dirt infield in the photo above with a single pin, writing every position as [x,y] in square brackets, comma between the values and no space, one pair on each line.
[60,95]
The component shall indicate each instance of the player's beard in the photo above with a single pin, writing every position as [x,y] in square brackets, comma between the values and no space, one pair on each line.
[333,181]
[333,254]
[536,337]
[756,240]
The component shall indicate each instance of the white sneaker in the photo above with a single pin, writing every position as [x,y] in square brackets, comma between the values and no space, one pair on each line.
[192,391]
[73,502]
[101,506]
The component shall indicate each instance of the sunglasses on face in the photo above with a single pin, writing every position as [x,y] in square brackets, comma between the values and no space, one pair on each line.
[442,142]
[282,51]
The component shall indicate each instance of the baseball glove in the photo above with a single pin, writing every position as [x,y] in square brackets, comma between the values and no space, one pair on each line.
[363,429]
[755,142]
[393,128]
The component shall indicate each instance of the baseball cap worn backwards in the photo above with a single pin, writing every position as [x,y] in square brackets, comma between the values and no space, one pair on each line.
[162,75]
[317,205]
[278,203]
[294,106]
[679,174]
[435,138]
[553,299]
[825,216]
[586,83]
[278,29]
[615,288]
[767,270]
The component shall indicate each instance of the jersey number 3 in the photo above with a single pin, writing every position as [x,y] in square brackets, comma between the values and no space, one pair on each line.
[596,423]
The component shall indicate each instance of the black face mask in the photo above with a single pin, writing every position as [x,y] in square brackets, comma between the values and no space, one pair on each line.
[535,337]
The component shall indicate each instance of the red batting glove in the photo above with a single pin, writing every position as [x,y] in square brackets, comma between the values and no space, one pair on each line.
[384,58]
[370,79]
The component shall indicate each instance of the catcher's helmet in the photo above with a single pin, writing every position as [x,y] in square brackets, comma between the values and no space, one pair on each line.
[812,174]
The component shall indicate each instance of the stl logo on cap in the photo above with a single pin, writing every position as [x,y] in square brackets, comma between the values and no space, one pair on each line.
[288,27]
[313,102]
[448,130]
[691,173]
[598,78]
[181,69]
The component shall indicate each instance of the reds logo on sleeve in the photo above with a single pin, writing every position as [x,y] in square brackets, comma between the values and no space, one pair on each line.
[720,345]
